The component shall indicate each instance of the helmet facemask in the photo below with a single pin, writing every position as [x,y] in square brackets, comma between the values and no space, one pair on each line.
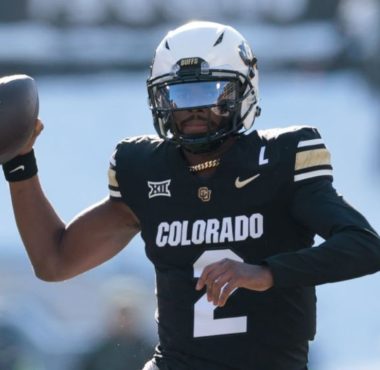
[222,96]
[217,94]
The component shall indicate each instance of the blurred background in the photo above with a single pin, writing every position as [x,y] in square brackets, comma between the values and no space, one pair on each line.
[319,65]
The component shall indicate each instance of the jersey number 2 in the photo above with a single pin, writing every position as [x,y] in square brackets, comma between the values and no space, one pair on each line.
[204,322]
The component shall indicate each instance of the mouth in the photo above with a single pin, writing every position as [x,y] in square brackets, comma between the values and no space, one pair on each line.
[194,127]
[195,124]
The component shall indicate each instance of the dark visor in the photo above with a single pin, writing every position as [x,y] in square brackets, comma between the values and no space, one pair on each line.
[194,94]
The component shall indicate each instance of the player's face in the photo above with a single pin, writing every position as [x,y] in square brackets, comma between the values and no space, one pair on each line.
[197,107]
[197,121]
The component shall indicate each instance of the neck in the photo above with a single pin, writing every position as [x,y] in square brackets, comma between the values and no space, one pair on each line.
[197,158]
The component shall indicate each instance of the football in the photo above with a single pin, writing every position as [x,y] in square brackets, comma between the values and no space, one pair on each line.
[18,113]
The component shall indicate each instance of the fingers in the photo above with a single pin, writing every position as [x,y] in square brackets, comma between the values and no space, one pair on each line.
[226,292]
[221,290]
[219,280]
[223,277]
[209,274]
[38,127]
[215,286]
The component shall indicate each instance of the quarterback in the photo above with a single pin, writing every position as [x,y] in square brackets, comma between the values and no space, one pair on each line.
[228,214]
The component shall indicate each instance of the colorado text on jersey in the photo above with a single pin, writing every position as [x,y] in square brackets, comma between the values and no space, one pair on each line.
[211,231]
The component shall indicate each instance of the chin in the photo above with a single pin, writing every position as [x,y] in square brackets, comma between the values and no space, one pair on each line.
[195,131]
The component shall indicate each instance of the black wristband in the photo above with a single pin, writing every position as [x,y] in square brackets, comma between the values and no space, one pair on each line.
[20,168]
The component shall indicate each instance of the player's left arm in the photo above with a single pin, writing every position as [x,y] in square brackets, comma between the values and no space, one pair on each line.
[351,247]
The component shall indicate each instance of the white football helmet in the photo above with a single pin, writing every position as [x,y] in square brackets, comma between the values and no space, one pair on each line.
[203,65]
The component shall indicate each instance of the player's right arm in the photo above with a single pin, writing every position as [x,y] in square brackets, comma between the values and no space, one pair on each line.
[59,251]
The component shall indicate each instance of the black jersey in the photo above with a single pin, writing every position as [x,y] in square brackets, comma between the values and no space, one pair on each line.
[270,195]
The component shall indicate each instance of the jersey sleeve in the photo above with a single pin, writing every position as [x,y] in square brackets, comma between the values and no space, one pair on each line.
[351,247]
[312,158]
[129,165]
[113,184]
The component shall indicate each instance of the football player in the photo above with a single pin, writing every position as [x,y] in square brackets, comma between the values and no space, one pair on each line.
[228,214]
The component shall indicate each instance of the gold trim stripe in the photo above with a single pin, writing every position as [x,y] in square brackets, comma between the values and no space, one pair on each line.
[311,174]
[312,158]
[112,178]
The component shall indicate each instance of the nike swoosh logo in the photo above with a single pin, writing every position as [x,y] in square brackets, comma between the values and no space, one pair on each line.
[240,184]
[19,168]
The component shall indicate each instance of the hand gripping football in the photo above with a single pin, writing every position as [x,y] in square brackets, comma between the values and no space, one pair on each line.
[18,113]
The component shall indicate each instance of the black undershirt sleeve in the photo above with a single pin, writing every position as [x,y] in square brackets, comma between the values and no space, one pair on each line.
[351,247]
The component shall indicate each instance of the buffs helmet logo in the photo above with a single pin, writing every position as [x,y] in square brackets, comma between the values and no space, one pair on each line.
[246,54]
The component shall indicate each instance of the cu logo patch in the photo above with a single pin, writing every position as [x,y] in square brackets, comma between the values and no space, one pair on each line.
[159,189]
[204,194]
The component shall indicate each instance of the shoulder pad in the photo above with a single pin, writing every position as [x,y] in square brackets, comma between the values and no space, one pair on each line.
[304,147]
[275,133]
[129,153]
[140,146]
[290,133]
[142,140]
